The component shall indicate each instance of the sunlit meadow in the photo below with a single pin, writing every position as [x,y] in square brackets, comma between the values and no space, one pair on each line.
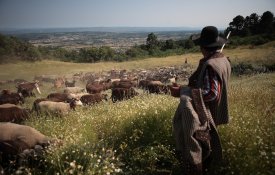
[135,136]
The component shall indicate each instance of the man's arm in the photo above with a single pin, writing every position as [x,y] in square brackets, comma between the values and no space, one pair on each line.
[211,85]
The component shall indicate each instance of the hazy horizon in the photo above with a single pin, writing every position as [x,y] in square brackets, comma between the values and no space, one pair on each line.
[80,27]
[40,14]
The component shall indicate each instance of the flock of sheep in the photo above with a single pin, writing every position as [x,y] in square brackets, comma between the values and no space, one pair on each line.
[16,139]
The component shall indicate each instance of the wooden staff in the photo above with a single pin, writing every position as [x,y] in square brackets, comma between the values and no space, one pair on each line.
[224,43]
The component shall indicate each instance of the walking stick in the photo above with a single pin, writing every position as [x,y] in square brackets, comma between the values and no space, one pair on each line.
[224,43]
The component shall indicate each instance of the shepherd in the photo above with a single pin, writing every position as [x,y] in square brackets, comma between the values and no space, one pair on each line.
[203,106]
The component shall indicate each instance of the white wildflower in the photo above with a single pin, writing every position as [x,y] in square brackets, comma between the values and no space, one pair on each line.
[117,170]
[72,164]
[263,153]
[71,171]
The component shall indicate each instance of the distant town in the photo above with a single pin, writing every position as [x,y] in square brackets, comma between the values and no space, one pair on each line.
[116,38]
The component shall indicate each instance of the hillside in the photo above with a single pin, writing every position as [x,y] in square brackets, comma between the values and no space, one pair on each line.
[134,136]
[258,55]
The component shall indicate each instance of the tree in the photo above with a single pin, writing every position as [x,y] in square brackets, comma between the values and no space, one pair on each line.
[60,53]
[189,44]
[136,52]
[169,44]
[32,54]
[266,22]
[106,53]
[181,43]
[253,23]
[236,26]
[152,41]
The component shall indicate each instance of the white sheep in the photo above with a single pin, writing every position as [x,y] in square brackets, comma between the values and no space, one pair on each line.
[60,108]
[74,90]
[76,96]
[26,135]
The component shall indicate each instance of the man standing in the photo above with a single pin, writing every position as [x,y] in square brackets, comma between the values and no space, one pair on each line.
[203,106]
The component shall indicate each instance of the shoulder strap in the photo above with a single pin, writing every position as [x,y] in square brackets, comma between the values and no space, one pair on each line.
[200,107]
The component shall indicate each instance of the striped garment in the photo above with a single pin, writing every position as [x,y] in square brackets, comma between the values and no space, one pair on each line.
[212,76]
[212,86]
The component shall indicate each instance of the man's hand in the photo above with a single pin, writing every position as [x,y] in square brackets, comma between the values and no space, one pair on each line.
[174,89]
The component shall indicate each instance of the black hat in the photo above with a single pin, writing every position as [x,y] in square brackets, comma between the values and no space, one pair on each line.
[209,37]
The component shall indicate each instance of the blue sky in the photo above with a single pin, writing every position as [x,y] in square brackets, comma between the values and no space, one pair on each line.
[126,13]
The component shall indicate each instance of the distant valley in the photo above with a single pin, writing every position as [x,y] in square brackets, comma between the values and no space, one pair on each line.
[117,38]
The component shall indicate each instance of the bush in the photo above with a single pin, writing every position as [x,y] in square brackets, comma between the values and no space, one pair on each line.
[250,40]
[258,40]
[32,54]
[13,47]
[249,69]
[136,51]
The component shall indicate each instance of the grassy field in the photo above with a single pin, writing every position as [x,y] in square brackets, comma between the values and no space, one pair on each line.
[134,136]
[257,55]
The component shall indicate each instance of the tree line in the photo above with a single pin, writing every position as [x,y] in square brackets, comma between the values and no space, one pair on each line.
[253,29]
[252,25]
[12,47]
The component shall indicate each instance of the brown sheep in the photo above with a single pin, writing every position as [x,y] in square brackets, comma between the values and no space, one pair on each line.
[11,97]
[158,89]
[13,113]
[62,97]
[107,85]
[93,98]
[143,84]
[94,88]
[123,93]
[124,84]
[26,89]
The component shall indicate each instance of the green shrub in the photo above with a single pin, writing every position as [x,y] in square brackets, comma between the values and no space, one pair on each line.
[248,69]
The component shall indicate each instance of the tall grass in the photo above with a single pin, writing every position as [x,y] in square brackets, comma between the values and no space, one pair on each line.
[135,136]
[249,138]
[118,130]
